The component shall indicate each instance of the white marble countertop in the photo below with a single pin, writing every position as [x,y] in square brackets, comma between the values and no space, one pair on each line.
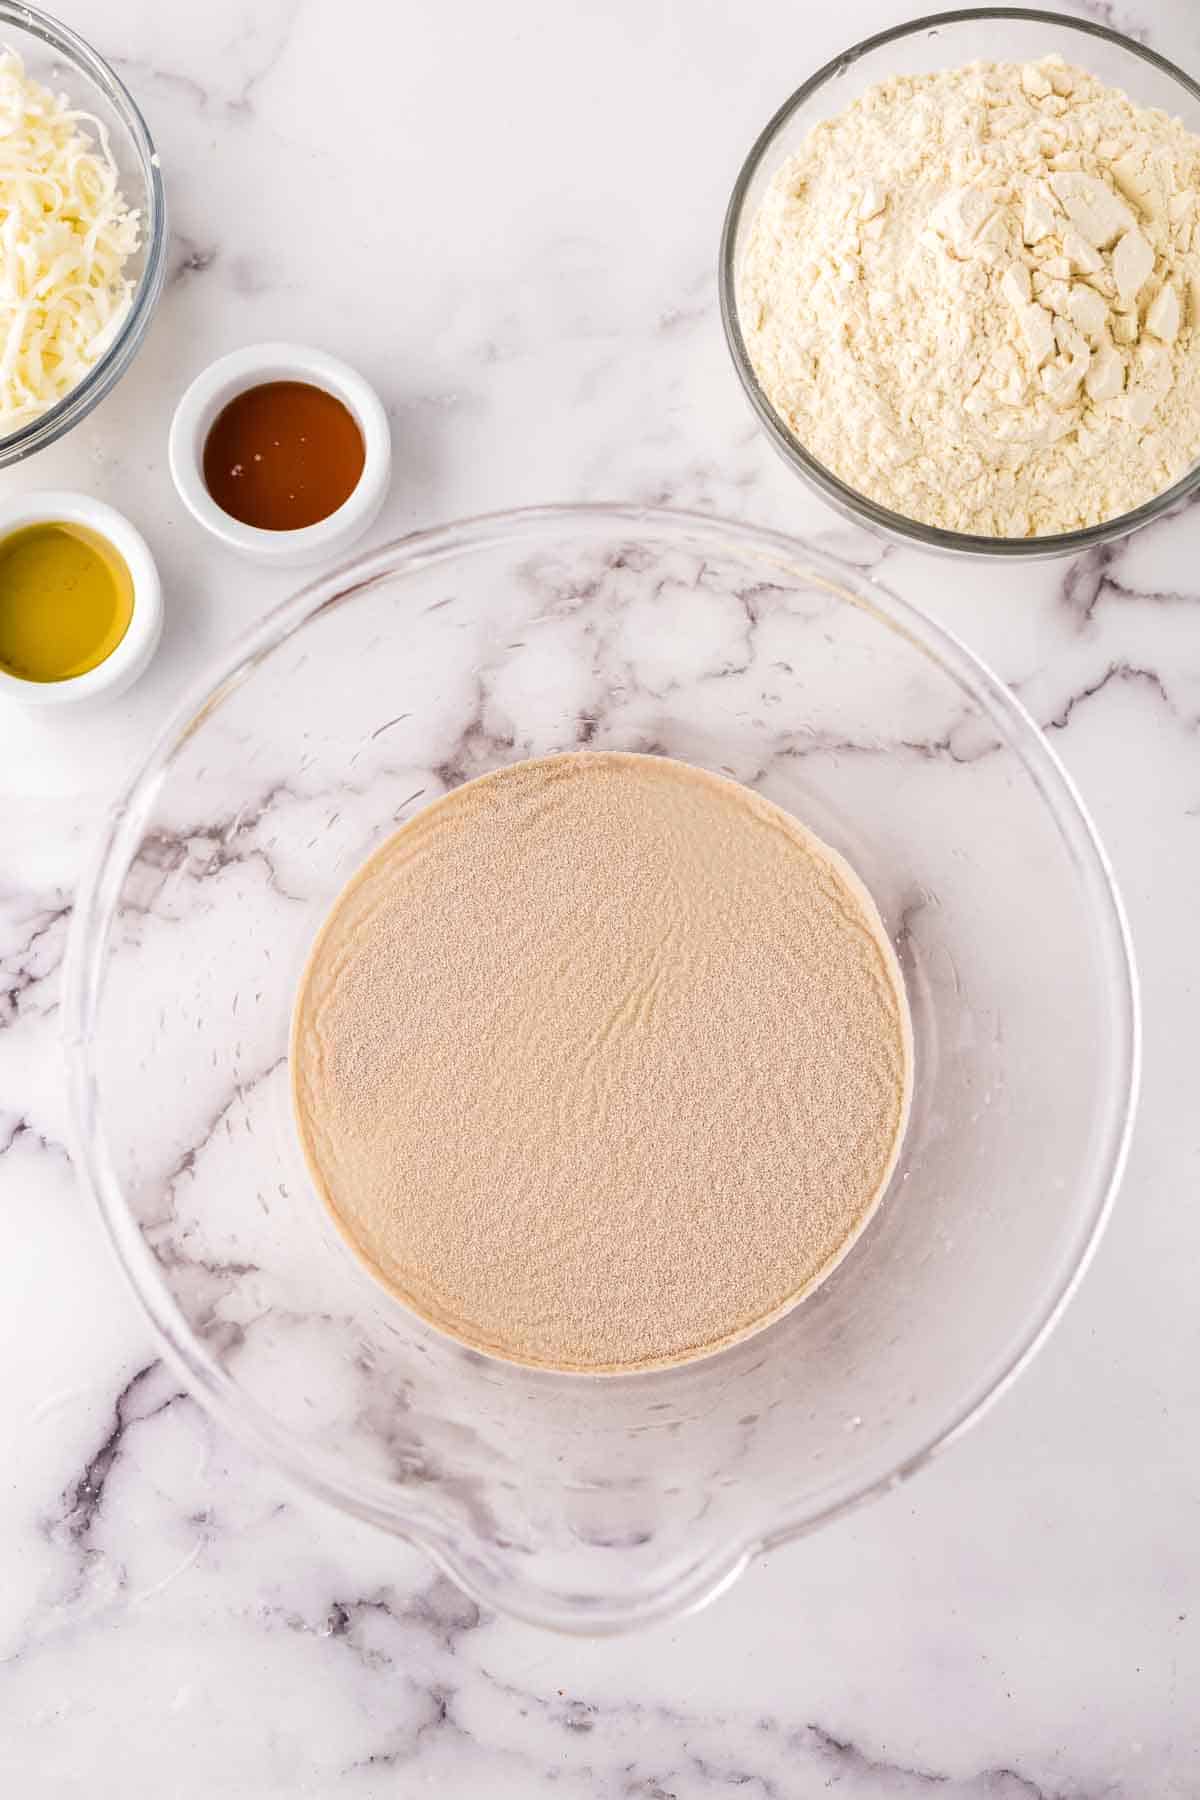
[536,193]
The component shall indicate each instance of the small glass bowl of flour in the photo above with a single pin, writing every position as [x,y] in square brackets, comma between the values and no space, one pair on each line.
[960,282]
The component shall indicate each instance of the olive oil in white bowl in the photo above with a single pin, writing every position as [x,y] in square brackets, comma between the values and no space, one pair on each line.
[80,600]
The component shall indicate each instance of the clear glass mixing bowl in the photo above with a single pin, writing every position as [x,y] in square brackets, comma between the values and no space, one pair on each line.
[597,1502]
[939,41]
[60,59]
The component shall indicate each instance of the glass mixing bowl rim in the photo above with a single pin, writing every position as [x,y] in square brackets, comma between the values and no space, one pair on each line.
[370,1497]
[102,377]
[848,500]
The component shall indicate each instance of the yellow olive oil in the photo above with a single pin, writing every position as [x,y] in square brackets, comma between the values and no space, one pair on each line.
[66,599]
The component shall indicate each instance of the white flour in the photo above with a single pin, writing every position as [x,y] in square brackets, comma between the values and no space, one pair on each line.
[975,296]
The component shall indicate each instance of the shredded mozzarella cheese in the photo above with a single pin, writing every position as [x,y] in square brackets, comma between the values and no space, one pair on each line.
[65,236]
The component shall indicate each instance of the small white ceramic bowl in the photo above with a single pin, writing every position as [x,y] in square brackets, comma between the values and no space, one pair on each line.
[121,668]
[231,375]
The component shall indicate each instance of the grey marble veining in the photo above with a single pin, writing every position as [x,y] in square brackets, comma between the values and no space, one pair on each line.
[540,222]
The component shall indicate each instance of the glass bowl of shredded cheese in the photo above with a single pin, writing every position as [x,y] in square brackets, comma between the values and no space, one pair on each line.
[82,230]
[960,283]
